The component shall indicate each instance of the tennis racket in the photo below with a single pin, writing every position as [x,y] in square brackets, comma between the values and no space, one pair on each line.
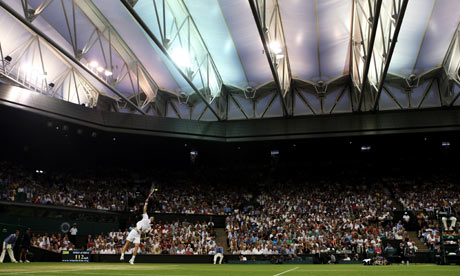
[153,189]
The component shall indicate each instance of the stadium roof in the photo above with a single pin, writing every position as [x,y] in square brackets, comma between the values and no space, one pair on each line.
[218,60]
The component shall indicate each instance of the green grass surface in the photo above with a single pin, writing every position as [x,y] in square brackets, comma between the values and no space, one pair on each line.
[119,269]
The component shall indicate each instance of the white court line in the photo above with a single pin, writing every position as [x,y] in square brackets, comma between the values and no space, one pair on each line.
[81,271]
[289,270]
[138,274]
[71,270]
[35,272]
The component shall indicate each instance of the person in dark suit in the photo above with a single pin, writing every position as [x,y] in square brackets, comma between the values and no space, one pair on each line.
[25,246]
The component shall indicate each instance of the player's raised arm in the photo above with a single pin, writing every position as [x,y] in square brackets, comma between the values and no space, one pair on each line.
[145,206]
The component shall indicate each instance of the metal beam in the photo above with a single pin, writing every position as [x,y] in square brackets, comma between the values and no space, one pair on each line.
[101,23]
[34,29]
[451,70]
[282,85]
[394,40]
[365,40]
[375,21]
[340,125]
[163,49]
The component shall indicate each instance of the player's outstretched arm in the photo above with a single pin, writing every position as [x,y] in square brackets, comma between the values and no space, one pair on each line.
[145,206]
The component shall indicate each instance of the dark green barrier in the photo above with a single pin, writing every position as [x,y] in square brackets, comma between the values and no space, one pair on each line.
[53,219]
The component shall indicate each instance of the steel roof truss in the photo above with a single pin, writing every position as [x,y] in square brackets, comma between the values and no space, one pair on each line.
[178,32]
[365,26]
[391,18]
[268,20]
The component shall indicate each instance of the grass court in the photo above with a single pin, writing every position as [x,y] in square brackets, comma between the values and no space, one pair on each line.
[120,269]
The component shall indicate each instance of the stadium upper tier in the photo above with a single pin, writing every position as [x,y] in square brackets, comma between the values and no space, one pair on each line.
[218,60]
[223,192]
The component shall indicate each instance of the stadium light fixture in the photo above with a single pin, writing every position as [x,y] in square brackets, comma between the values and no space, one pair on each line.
[27,68]
[108,73]
[42,76]
[365,148]
[274,153]
[100,69]
[94,64]
[8,59]
[275,47]
[181,57]
[445,144]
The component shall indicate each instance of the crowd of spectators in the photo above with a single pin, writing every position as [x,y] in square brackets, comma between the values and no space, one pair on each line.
[177,238]
[315,218]
[120,192]
[344,213]
[52,242]
[424,197]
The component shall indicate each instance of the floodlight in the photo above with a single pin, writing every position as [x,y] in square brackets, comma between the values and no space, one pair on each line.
[181,57]
[279,56]
[108,73]
[445,144]
[100,69]
[365,148]
[275,47]
[27,67]
[94,64]
[42,76]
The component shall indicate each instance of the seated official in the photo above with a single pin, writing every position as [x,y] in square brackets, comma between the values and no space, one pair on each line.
[448,213]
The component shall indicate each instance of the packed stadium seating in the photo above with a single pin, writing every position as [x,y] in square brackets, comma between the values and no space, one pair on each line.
[52,242]
[178,238]
[345,214]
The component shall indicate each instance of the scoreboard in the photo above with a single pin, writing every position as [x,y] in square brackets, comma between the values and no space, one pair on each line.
[75,256]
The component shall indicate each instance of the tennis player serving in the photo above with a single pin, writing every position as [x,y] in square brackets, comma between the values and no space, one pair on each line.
[142,227]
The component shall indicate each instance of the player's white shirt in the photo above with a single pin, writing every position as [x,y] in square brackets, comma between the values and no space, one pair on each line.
[73,231]
[406,218]
[144,224]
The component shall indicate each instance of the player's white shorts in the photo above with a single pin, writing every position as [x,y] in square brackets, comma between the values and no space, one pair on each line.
[134,236]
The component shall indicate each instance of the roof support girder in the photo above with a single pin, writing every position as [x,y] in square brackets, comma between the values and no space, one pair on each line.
[364,30]
[387,43]
[23,71]
[268,20]
[148,85]
[179,34]
[64,53]
[450,77]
